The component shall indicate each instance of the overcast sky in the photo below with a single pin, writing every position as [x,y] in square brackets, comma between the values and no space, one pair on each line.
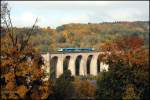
[56,13]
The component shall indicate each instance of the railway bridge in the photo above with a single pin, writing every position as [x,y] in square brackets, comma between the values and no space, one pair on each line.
[79,63]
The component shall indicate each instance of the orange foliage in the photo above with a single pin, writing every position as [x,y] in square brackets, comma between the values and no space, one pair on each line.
[21,90]
[25,64]
[129,49]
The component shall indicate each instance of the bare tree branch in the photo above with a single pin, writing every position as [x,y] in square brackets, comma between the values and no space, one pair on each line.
[11,25]
[9,31]
[16,39]
[28,34]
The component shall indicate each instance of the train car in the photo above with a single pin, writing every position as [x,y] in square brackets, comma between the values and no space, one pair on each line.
[75,49]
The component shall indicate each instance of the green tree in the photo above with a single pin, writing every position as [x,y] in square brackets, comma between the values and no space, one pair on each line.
[64,87]
[130,93]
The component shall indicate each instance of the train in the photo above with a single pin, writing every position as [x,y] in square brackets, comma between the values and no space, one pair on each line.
[75,49]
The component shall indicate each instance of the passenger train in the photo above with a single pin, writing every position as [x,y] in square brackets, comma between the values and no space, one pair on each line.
[75,49]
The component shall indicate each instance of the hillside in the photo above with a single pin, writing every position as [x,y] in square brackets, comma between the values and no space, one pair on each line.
[84,35]
[87,35]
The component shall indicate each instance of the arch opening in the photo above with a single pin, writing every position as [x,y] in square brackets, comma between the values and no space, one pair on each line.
[66,63]
[88,64]
[98,64]
[53,65]
[77,65]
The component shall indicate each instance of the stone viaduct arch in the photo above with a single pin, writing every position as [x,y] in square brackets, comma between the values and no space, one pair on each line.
[66,63]
[88,63]
[77,63]
[53,66]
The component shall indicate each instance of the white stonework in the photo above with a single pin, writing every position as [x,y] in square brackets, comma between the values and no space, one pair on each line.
[104,67]
[71,65]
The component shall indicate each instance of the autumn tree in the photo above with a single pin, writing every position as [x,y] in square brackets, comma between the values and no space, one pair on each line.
[128,64]
[21,72]
[84,89]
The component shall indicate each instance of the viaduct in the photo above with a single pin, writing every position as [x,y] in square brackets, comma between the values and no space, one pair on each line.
[79,63]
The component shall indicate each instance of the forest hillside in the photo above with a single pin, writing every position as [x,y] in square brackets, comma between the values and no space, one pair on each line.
[90,35]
